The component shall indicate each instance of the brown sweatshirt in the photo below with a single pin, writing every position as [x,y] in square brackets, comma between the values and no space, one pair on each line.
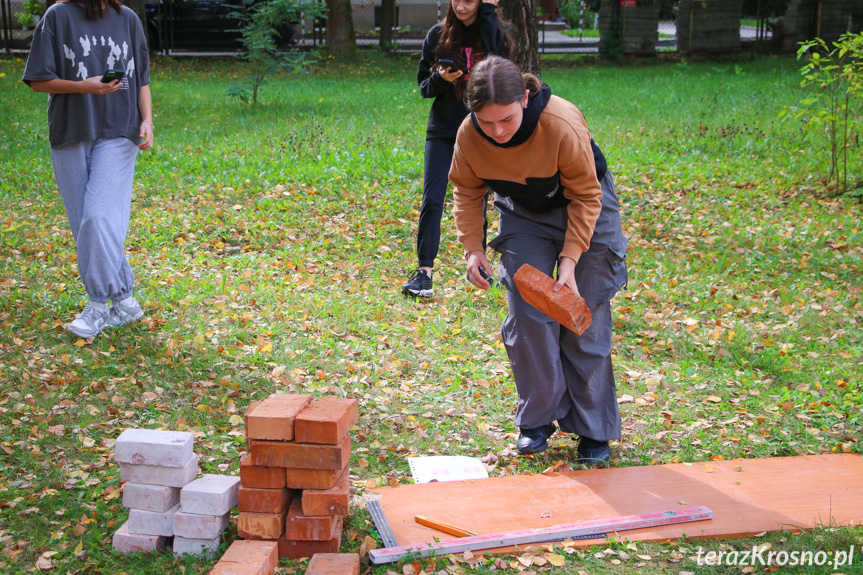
[558,150]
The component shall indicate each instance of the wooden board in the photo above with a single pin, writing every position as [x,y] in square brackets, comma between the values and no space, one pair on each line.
[748,496]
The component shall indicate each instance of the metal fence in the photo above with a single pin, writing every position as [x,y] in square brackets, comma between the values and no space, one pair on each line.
[208,27]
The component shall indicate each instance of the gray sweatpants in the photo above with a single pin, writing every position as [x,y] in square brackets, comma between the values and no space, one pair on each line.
[95,182]
[559,375]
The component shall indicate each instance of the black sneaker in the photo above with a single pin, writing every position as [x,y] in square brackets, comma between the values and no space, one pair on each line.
[534,440]
[419,284]
[592,452]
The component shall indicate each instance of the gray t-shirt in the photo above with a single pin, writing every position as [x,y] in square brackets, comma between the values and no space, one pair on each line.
[67,46]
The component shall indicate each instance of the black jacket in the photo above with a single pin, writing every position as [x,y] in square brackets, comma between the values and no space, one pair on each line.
[448,111]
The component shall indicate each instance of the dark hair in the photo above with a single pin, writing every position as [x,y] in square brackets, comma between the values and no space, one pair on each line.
[98,8]
[451,41]
[496,80]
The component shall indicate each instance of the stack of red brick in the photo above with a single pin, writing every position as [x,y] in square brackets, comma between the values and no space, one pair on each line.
[294,482]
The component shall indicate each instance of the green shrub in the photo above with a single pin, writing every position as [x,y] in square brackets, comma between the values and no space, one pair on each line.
[577,14]
[834,80]
[261,39]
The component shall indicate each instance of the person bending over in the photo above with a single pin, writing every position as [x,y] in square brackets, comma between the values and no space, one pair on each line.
[558,211]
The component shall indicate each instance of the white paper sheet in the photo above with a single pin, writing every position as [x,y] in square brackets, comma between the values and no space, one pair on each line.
[446,468]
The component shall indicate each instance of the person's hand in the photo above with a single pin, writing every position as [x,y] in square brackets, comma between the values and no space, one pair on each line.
[94,85]
[490,2]
[448,75]
[476,260]
[566,275]
[146,135]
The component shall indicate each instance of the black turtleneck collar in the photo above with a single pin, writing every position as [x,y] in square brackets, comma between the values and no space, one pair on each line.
[535,105]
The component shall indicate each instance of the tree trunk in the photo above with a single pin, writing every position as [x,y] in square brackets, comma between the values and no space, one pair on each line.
[522,15]
[341,39]
[388,21]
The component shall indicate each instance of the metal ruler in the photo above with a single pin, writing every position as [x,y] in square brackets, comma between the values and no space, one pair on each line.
[381,523]
[584,530]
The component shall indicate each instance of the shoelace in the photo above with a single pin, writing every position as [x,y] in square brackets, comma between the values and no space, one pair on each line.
[90,310]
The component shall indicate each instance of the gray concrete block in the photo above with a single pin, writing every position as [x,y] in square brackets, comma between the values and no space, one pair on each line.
[154,447]
[210,495]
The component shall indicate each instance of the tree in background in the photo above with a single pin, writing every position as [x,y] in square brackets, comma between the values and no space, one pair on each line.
[388,22]
[341,38]
[522,15]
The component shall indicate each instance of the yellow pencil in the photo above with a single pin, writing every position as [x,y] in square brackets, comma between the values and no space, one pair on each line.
[441,526]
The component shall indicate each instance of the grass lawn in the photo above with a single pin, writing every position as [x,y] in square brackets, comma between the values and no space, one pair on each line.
[270,244]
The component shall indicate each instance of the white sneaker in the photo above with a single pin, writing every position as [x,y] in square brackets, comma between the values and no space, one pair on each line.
[91,321]
[123,313]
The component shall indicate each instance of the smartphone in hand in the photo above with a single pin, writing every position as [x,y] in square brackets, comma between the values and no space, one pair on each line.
[444,63]
[111,75]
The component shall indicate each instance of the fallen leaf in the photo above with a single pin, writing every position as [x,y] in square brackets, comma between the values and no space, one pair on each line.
[556,560]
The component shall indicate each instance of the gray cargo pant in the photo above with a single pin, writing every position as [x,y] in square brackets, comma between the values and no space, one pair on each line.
[560,375]
[95,181]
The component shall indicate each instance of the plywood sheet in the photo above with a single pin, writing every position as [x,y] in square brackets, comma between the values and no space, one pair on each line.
[747,497]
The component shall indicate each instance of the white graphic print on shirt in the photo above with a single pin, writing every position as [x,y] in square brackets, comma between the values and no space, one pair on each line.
[70,54]
[113,59]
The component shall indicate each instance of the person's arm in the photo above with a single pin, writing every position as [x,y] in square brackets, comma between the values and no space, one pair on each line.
[582,189]
[468,207]
[489,30]
[92,85]
[492,37]
[432,84]
[145,107]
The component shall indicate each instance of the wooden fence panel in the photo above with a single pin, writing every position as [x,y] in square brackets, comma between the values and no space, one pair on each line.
[710,26]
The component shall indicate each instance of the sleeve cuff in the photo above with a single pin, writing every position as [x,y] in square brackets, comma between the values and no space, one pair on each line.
[571,251]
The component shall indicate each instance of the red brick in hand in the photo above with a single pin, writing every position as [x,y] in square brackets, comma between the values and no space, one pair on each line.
[333,501]
[326,420]
[274,417]
[301,527]
[334,564]
[257,500]
[260,476]
[312,478]
[565,307]
[301,455]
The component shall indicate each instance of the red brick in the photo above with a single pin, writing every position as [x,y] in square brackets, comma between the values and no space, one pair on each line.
[326,420]
[295,549]
[257,500]
[260,476]
[334,564]
[260,525]
[304,528]
[249,410]
[565,307]
[238,569]
[274,417]
[252,557]
[332,501]
[312,478]
[301,455]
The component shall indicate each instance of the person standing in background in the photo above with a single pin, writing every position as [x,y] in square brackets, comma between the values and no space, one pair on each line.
[469,33]
[91,58]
